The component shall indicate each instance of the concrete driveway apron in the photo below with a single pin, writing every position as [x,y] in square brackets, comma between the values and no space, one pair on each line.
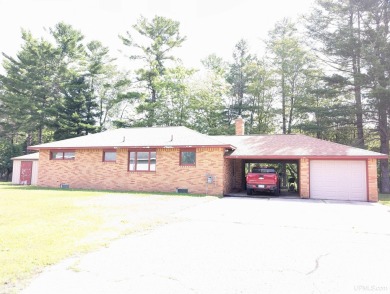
[241,245]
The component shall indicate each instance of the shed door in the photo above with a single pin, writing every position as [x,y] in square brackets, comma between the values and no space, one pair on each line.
[25,172]
[338,179]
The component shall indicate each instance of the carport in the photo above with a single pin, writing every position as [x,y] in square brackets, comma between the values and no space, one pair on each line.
[325,170]
[287,168]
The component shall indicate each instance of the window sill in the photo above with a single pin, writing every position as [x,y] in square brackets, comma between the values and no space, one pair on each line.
[62,159]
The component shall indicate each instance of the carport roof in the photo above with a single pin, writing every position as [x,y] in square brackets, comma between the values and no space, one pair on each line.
[291,147]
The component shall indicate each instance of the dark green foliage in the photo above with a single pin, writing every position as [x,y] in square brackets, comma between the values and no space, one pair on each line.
[353,37]
[76,114]
[239,77]
[56,89]
[336,27]
[162,36]
[338,90]
[7,151]
[31,86]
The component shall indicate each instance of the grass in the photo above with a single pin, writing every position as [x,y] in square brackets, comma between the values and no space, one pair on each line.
[17,187]
[40,227]
[384,199]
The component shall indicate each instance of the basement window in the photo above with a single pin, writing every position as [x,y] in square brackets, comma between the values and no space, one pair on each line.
[188,157]
[62,155]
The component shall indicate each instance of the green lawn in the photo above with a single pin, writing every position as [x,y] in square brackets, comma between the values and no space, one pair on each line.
[384,199]
[40,227]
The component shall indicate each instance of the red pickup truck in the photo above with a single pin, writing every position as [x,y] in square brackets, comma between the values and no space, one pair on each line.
[263,179]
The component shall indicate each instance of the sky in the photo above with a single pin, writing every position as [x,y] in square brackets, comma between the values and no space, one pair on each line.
[211,26]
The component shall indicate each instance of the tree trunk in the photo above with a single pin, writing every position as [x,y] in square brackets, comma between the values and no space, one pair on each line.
[317,119]
[40,134]
[9,172]
[151,118]
[384,147]
[383,104]
[284,104]
[284,169]
[356,56]
[359,116]
[292,101]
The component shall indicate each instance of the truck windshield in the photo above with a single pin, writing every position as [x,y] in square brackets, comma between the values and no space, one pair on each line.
[263,170]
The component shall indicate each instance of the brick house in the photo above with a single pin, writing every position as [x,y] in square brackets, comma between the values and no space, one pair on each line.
[171,159]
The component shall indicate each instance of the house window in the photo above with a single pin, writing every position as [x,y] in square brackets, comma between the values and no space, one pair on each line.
[142,160]
[188,157]
[62,155]
[109,156]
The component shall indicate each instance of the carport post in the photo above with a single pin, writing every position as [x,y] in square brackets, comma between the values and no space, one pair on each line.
[304,178]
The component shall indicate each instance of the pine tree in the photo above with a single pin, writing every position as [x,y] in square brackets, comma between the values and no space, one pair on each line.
[294,71]
[76,114]
[238,77]
[335,27]
[161,37]
[31,86]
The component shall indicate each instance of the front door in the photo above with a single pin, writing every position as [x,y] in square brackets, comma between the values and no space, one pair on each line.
[25,172]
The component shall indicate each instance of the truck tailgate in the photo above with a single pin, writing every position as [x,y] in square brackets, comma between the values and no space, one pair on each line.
[269,179]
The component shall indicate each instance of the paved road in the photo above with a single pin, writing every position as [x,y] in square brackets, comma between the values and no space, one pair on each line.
[236,245]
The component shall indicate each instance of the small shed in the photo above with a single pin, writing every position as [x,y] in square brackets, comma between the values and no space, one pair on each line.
[25,169]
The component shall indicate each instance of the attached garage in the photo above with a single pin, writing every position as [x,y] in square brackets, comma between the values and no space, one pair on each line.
[327,170]
[338,179]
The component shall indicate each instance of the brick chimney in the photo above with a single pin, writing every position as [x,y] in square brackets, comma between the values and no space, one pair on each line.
[240,126]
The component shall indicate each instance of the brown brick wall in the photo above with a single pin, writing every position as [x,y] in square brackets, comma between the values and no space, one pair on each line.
[238,170]
[228,177]
[304,178]
[88,171]
[232,175]
[240,126]
[372,175]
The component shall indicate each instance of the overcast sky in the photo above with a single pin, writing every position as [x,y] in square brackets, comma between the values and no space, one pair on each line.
[211,26]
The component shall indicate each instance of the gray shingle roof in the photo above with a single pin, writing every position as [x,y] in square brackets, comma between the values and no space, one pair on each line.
[137,137]
[32,156]
[253,146]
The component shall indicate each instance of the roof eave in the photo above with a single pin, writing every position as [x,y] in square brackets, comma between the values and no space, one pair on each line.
[24,159]
[226,146]
[340,157]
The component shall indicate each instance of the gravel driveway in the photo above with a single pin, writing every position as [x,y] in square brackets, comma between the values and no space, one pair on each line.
[240,245]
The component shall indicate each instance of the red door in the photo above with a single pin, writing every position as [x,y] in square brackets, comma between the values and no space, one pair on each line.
[25,172]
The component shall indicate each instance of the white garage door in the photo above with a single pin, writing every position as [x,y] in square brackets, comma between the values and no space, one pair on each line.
[338,179]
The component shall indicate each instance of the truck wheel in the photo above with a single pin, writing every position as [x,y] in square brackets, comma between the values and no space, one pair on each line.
[249,192]
[277,192]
